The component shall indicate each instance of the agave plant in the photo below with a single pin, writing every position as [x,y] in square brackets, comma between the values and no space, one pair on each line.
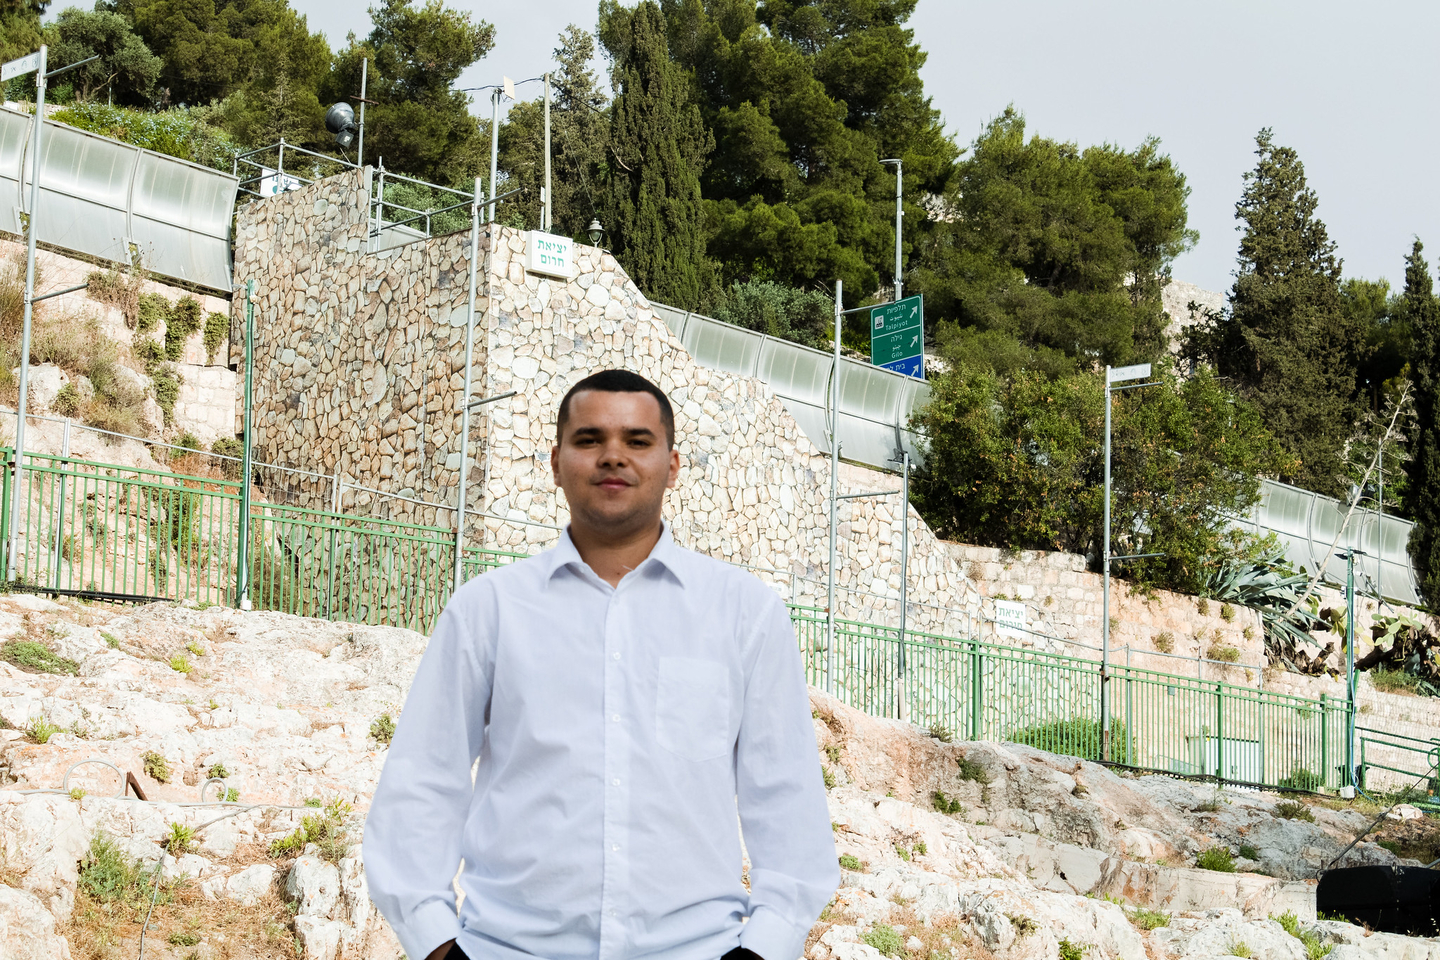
[1265,584]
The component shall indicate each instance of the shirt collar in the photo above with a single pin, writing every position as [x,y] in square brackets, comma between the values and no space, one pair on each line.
[666,553]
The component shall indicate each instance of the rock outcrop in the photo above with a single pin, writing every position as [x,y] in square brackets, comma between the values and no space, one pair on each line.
[949,850]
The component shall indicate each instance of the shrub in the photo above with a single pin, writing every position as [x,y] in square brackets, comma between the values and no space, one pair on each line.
[325,829]
[382,728]
[108,875]
[1302,780]
[1248,852]
[1388,680]
[1149,919]
[41,730]
[184,321]
[1240,949]
[947,805]
[971,770]
[1203,606]
[178,132]
[188,441]
[217,771]
[148,351]
[803,316]
[1216,858]
[180,839]
[884,939]
[166,384]
[34,657]
[941,732]
[67,401]
[184,939]
[1165,641]
[850,862]
[232,795]
[1227,612]
[156,767]
[902,852]
[828,777]
[180,663]
[217,331]
[111,641]
[1076,738]
[1293,810]
[1223,653]
[77,793]
[151,311]
[118,288]
[1071,951]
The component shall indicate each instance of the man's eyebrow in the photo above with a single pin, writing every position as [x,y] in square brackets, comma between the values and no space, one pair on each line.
[627,431]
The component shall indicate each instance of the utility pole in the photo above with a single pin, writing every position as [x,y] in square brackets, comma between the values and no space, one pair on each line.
[1113,375]
[494,150]
[360,136]
[247,452]
[1350,779]
[545,223]
[465,408]
[831,659]
[899,221]
[13,553]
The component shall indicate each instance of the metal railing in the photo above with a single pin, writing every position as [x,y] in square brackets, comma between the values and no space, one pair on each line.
[113,532]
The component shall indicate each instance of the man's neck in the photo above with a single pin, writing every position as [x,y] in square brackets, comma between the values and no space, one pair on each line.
[611,556]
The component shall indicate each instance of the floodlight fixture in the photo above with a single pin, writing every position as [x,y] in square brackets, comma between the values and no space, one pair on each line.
[595,231]
[340,120]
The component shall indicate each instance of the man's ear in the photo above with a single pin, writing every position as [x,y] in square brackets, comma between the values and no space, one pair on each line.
[555,463]
[674,468]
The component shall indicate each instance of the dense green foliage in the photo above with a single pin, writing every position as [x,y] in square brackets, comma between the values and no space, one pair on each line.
[804,316]
[126,71]
[1422,501]
[1285,341]
[659,145]
[1017,461]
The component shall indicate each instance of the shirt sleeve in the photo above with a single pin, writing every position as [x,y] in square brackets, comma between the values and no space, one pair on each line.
[414,829]
[781,792]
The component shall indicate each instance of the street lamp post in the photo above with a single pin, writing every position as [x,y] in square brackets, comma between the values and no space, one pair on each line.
[1113,375]
[899,220]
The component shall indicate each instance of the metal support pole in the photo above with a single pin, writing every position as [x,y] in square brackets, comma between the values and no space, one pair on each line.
[899,220]
[832,660]
[545,222]
[1105,594]
[1350,666]
[242,576]
[14,547]
[360,137]
[465,401]
[904,570]
[494,153]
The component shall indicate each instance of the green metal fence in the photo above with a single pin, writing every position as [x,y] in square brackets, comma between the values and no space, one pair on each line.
[118,532]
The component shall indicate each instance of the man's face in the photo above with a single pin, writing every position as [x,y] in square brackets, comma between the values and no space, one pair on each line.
[613,462]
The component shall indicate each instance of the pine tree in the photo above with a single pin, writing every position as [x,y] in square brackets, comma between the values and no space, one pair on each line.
[1422,501]
[1285,341]
[659,144]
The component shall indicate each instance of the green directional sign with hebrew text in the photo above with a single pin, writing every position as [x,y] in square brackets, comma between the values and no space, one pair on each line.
[897,336]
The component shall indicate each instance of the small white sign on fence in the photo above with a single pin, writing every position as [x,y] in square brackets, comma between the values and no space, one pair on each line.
[1010,620]
[547,254]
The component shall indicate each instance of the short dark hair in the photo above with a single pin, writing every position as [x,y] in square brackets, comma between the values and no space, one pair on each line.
[619,381]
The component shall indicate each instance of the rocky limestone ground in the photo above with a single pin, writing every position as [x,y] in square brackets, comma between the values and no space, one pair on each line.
[949,850]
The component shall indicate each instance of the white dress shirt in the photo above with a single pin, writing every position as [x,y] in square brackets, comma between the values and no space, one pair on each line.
[617,731]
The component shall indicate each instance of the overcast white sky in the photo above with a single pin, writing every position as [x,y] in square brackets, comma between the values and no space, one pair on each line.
[1352,86]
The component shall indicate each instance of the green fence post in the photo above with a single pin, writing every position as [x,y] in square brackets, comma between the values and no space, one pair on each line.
[1220,731]
[976,688]
[1324,740]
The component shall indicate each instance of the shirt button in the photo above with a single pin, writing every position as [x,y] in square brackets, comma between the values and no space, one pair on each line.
[616,718]
[616,656]
[616,781]
[614,846]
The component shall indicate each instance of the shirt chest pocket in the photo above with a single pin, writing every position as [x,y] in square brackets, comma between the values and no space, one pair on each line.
[692,708]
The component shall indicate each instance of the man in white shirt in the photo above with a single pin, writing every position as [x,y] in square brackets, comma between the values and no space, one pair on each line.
[623,697]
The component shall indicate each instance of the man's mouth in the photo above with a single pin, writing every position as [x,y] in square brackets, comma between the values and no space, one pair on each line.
[613,483]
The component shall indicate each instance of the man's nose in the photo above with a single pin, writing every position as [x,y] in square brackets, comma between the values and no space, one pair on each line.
[613,454]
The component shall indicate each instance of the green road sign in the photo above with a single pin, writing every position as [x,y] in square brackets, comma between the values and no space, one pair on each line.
[897,336]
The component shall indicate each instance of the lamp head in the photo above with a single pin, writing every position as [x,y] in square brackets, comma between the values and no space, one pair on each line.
[340,120]
[595,231]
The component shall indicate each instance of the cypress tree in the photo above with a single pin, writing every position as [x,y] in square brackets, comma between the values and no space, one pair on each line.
[1422,500]
[659,144]
[1286,342]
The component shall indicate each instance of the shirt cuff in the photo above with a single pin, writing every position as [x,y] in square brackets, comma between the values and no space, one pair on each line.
[432,923]
[770,935]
